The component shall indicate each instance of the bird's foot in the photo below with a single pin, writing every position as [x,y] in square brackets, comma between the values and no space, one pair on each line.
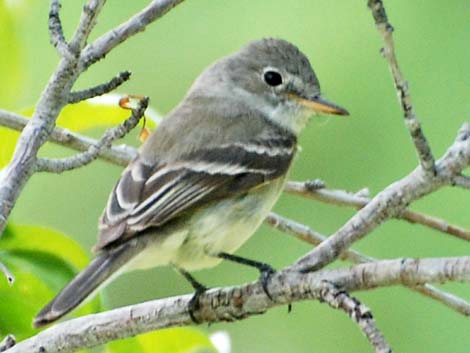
[194,304]
[266,271]
[199,289]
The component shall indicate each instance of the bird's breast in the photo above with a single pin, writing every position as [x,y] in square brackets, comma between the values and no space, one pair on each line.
[222,226]
[225,225]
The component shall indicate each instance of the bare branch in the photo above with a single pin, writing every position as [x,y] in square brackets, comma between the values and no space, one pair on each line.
[84,158]
[87,22]
[344,198]
[236,303]
[56,32]
[55,96]
[359,313]
[391,202]
[462,181]
[137,23]
[99,90]
[119,155]
[310,236]
[8,275]
[8,342]
[37,131]
[458,304]
[436,223]
[388,51]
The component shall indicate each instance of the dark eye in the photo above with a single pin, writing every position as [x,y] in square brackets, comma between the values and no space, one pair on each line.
[272,78]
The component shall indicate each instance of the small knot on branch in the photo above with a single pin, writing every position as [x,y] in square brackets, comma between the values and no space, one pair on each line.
[8,342]
[316,184]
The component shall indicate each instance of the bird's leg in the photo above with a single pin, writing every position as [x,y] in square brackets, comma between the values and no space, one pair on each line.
[199,288]
[266,271]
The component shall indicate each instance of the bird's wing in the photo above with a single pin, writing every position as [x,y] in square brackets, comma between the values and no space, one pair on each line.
[150,196]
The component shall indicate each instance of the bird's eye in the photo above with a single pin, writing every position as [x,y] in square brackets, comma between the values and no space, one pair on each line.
[272,78]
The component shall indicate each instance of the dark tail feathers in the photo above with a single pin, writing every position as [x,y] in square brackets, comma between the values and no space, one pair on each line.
[95,274]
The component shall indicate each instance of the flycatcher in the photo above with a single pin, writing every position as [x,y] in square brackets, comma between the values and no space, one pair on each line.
[204,181]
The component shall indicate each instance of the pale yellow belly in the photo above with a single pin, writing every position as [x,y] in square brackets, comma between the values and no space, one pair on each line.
[222,227]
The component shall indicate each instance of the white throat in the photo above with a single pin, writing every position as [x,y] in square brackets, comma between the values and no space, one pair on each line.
[290,115]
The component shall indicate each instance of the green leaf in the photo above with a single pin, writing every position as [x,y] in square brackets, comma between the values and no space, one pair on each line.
[43,261]
[173,340]
[41,239]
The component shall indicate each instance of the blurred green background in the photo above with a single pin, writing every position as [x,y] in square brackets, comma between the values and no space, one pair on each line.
[369,149]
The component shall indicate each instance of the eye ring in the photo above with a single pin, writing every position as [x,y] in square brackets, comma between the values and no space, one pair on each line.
[272,77]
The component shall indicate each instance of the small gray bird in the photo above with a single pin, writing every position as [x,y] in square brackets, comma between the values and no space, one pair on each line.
[204,181]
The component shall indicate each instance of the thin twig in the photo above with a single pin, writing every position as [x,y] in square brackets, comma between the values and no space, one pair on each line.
[84,158]
[310,236]
[8,342]
[53,98]
[388,51]
[56,33]
[454,302]
[38,130]
[237,303]
[391,202]
[462,181]
[344,198]
[358,312]
[87,22]
[99,90]
[119,155]
[137,23]
[8,275]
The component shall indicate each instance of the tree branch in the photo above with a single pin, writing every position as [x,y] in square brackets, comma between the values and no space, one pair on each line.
[462,181]
[137,23]
[37,131]
[359,313]
[119,155]
[87,22]
[84,158]
[344,198]
[236,303]
[99,90]
[56,94]
[391,202]
[8,342]
[56,33]
[310,236]
[401,85]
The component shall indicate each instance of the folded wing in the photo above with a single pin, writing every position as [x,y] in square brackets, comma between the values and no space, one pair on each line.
[150,196]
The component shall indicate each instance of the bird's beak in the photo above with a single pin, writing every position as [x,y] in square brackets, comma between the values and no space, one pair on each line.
[319,105]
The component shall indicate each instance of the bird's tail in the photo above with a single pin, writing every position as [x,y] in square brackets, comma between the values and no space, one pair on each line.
[86,282]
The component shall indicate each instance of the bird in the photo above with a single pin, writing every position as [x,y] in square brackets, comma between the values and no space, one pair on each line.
[206,178]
